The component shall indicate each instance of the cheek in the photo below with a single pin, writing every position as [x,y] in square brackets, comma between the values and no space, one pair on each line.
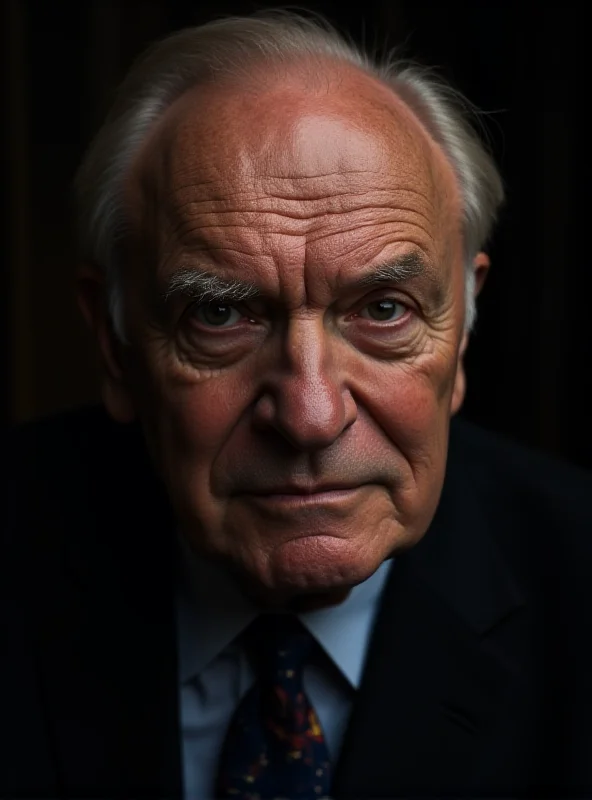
[187,431]
[188,421]
[203,415]
[412,409]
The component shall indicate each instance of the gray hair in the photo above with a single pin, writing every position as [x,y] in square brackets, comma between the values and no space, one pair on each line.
[229,48]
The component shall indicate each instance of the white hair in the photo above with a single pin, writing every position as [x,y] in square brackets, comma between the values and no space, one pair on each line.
[230,48]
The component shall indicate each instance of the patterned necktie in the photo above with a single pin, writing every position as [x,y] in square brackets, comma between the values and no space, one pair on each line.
[274,747]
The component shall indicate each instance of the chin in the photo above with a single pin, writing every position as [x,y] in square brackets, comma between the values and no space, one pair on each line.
[314,565]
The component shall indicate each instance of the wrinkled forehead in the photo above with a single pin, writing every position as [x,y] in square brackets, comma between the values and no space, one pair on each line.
[345,134]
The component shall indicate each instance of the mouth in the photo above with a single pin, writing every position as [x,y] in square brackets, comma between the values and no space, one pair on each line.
[287,498]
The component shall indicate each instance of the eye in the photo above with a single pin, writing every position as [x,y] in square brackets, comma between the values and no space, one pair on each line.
[385,310]
[216,315]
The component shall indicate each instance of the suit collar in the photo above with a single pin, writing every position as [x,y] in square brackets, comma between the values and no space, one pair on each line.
[459,557]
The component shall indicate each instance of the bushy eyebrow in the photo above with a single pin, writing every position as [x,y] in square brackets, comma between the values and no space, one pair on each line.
[397,270]
[205,286]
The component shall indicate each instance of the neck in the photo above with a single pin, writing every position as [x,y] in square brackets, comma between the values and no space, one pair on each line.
[314,602]
[295,603]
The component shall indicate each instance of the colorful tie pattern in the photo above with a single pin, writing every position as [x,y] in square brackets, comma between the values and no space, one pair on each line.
[274,747]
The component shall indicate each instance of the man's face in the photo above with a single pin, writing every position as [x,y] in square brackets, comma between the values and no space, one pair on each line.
[301,433]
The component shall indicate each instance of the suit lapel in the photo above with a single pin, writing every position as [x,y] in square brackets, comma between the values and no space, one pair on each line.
[432,684]
[107,642]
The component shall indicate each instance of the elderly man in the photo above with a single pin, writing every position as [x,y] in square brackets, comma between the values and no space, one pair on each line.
[274,568]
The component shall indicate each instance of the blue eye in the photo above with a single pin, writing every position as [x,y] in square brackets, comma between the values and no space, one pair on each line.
[383,310]
[216,315]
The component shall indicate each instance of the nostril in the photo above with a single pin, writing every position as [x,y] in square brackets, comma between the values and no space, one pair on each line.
[265,409]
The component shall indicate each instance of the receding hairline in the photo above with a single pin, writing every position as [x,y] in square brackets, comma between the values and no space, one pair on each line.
[296,76]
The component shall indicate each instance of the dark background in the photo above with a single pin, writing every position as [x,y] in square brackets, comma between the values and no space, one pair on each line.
[525,64]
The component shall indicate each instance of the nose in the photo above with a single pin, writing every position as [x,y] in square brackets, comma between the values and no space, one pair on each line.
[305,398]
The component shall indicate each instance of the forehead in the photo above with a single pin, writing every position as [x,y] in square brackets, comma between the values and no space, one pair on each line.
[348,125]
[295,157]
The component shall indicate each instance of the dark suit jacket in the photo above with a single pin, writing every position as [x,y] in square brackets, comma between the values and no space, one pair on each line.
[478,678]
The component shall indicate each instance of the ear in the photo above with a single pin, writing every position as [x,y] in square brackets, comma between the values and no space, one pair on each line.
[92,300]
[481,265]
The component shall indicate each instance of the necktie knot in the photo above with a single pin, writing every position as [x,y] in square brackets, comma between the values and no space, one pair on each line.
[280,646]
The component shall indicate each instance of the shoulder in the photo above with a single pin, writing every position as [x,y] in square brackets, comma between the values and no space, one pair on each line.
[495,453]
[531,501]
[72,446]
[80,491]
[517,468]
[63,437]
[64,469]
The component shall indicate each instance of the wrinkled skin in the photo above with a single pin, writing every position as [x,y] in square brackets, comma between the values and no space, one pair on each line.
[299,190]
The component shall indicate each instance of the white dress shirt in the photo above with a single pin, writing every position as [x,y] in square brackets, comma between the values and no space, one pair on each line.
[215,673]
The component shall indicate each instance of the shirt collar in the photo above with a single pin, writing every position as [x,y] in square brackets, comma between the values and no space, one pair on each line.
[344,630]
[212,612]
